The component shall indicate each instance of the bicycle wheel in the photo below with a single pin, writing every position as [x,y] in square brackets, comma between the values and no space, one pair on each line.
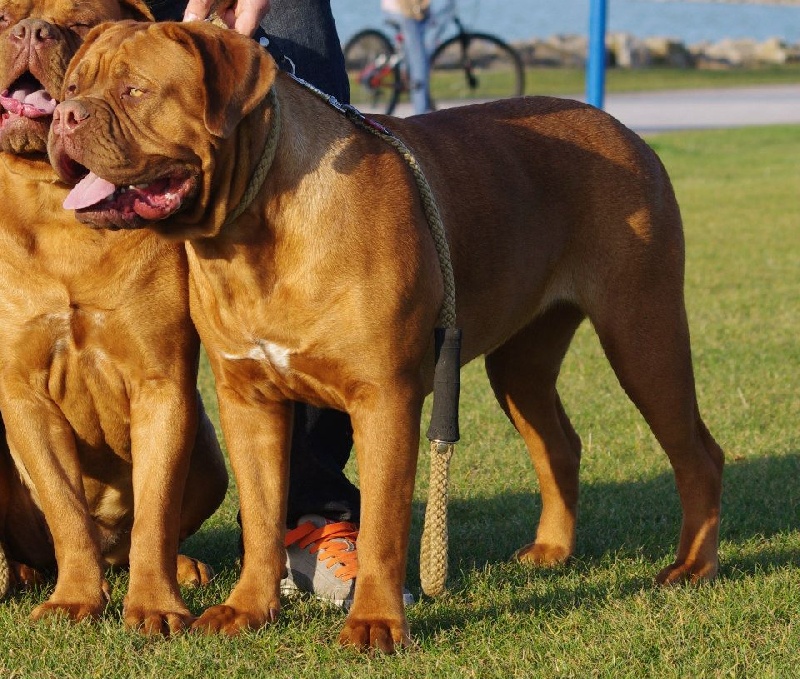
[475,67]
[374,76]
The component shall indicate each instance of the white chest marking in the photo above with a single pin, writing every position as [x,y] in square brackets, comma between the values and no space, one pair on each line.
[263,350]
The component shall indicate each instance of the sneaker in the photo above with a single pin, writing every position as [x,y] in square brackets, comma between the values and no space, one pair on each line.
[321,558]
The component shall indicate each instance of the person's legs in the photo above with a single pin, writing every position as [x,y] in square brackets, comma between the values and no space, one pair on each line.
[323,505]
[302,34]
[418,61]
[321,444]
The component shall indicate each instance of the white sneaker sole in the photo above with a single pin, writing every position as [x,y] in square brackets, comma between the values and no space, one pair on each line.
[290,589]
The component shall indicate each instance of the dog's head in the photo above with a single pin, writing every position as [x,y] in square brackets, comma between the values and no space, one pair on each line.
[147,108]
[37,40]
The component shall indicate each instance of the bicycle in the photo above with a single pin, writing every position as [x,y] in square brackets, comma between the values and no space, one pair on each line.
[464,65]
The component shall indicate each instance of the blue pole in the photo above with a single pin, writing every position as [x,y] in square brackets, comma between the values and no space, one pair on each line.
[596,65]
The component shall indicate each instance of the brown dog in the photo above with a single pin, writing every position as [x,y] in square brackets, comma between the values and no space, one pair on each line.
[327,288]
[98,361]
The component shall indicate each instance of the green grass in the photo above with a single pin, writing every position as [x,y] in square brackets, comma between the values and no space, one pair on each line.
[601,616]
[569,81]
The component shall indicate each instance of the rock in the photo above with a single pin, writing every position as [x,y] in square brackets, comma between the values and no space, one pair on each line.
[627,51]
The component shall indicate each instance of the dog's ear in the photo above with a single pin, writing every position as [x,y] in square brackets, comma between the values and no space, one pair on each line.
[135,9]
[237,74]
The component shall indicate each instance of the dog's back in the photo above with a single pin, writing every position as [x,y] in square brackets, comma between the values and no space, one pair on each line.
[581,195]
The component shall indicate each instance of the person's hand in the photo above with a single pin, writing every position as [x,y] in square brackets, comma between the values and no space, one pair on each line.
[241,15]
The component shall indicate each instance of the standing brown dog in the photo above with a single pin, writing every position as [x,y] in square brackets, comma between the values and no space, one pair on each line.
[326,289]
[98,361]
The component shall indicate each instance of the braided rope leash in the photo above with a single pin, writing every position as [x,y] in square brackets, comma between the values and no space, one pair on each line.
[5,573]
[443,431]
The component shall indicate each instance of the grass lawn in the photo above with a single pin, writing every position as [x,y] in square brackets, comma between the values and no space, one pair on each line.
[569,81]
[601,615]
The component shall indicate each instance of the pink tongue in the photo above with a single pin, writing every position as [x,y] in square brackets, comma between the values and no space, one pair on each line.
[28,103]
[88,191]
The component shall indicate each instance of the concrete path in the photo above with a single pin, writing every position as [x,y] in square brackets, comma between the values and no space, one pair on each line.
[652,112]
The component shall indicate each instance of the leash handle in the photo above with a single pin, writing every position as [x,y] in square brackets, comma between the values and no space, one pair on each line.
[446,386]
[443,434]
[214,16]
[433,546]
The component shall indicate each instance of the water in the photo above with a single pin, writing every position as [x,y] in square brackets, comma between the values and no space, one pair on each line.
[691,22]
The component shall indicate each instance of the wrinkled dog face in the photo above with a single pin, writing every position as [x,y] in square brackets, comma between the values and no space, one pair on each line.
[147,109]
[37,40]
[124,131]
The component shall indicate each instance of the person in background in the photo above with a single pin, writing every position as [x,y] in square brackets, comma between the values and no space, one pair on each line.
[412,15]
[323,505]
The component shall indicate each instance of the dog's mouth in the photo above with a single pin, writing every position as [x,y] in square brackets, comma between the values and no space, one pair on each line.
[26,98]
[98,200]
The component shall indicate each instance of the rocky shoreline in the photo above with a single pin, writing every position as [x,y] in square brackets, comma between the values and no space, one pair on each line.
[627,51]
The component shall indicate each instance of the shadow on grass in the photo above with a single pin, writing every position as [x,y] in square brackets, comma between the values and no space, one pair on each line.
[761,498]
[631,519]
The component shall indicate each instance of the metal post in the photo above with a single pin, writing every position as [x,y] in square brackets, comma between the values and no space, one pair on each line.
[596,65]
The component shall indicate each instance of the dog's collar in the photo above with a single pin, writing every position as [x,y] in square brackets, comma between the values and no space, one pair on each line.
[267,156]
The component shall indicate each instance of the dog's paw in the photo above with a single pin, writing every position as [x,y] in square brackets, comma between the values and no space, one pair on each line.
[692,572]
[224,619]
[75,611]
[193,573]
[74,603]
[543,555]
[380,634]
[157,622]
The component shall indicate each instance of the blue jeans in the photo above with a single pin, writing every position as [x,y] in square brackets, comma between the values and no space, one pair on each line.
[304,32]
[418,61]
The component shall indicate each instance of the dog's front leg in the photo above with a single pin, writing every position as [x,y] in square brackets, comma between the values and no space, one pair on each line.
[257,433]
[163,426]
[43,447]
[386,435]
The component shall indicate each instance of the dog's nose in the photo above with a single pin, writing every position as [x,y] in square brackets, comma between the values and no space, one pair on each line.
[33,31]
[69,115]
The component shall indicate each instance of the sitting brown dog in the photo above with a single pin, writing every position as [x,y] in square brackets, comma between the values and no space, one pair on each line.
[327,288]
[98,362]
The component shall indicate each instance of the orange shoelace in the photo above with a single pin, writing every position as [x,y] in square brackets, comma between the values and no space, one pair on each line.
[334,544]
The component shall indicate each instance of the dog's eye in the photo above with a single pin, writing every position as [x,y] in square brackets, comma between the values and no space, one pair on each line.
[134,92]
[5,20]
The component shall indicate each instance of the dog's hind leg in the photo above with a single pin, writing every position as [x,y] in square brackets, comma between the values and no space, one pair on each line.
[523,374]
[646,338]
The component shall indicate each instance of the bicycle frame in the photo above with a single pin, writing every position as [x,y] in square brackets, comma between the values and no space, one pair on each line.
[450,44]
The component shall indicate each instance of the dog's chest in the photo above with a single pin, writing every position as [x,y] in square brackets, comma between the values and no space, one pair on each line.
[266,369]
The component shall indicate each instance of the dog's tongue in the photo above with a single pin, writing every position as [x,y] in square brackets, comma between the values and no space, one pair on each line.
[28,102]
[88,191]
